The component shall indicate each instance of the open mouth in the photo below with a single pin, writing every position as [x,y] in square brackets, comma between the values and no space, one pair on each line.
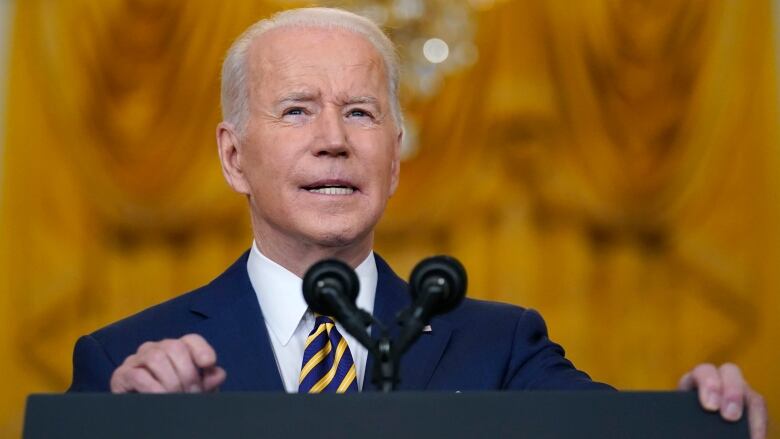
[335,188]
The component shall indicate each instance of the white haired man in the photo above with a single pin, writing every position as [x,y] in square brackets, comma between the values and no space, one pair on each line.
[311,136]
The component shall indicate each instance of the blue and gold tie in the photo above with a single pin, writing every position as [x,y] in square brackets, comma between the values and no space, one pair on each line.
[327,362]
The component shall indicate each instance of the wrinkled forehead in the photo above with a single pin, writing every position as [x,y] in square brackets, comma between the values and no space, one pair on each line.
[295,54]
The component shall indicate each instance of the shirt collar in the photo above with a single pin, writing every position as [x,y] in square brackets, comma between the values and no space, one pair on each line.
[279,292]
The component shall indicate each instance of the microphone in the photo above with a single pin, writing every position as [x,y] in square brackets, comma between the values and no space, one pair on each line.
[437,284]
[330,288]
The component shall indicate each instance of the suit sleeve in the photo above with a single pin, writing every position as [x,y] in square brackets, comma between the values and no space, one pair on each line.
[92,367]
[537,363]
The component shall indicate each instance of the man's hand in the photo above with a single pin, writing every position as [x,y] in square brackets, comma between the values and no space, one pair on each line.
[187,364]
[723,388]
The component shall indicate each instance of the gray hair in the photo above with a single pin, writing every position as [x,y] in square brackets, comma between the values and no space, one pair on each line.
[235,91]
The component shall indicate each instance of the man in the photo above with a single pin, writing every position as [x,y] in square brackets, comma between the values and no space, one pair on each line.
[311,137]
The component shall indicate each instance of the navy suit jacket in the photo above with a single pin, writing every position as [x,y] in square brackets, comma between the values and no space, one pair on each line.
[478,346]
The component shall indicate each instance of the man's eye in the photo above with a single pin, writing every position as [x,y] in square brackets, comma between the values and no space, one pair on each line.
[295,111]
[358,113]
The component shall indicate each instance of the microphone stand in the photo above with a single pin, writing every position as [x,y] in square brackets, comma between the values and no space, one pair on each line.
[386,358]
[386,355]
[386,352]
[385,365]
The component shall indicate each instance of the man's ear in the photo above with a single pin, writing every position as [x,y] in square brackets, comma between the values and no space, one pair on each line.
[229,150]
[396,164]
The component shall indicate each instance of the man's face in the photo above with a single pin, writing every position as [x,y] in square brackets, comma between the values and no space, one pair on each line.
[320,152]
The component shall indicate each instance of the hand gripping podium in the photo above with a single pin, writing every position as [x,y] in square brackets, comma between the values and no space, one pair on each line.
[579,414]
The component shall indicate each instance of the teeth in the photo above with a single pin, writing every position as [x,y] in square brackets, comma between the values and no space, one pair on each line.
[333,190]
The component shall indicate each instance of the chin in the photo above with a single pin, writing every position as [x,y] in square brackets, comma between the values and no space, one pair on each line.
[339,235]
[336,239]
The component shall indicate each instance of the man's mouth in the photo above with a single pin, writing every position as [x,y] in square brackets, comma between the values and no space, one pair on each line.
[331,188]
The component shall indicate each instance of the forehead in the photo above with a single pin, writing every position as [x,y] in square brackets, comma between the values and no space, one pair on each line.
[301,56]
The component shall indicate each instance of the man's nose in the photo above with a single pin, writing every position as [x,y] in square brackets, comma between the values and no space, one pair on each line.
[332,135]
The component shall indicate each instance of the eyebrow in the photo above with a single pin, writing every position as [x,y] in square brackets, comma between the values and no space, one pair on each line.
[361,100]
[297,97]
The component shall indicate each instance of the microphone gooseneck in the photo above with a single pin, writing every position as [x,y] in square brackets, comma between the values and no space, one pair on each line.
[330,288]
[437,285]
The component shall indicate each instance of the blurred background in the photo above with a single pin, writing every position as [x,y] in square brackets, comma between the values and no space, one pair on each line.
[614,164]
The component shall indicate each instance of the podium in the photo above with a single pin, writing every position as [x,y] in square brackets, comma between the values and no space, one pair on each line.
[551,414]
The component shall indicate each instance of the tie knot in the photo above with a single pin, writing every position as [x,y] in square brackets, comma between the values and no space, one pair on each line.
[323,320]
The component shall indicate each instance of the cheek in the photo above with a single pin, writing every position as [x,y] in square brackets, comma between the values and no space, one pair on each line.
[379,149]
[384,159]
[270,159]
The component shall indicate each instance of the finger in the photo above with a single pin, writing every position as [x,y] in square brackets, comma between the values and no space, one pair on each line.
[157,361]
[145,382]
[213,377]
[120,380]
[706,379]
[686,382]
[201,350]
[135,379]
[183,365]
[145,347]
[757,415]
[733,392]
[119,383]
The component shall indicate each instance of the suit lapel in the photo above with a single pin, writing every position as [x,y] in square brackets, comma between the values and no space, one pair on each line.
[235,327]
[420,361]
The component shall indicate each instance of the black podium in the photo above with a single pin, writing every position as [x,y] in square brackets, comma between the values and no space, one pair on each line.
[579,414]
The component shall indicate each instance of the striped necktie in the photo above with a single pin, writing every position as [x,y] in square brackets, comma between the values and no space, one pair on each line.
[327,362]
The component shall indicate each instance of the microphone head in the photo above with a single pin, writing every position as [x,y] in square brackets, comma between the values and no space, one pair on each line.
[328,277]
[442,275]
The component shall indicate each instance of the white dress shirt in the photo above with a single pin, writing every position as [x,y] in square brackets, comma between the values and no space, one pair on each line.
[289,320]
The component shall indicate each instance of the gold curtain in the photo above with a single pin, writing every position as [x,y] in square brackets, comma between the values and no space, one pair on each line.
[611,163]
[112,199]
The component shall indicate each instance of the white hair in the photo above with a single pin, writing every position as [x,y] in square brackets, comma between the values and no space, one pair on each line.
[235,90]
